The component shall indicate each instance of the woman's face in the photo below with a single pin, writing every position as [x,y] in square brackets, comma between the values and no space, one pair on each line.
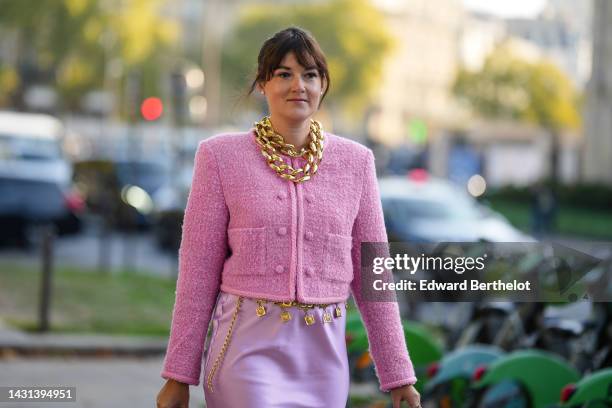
[294,91]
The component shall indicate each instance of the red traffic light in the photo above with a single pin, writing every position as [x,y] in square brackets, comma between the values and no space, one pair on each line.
[151,108]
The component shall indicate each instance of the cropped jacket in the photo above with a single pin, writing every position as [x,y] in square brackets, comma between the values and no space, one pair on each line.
[248,232]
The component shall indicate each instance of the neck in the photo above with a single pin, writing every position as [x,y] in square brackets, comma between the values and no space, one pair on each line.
[295,133]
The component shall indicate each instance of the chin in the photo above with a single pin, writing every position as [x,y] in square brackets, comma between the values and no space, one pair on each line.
[298,116]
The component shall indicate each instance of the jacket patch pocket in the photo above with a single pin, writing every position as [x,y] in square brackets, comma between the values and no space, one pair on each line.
[338,262]
[248,246]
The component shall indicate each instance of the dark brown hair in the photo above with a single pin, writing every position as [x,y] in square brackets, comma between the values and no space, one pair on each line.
[296,40]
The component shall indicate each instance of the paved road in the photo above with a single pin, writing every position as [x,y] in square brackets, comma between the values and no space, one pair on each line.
[100,383]
[103,383]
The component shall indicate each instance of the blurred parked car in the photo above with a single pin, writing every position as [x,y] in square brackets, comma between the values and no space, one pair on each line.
[120,191]
[420,208]
[28,204]
[169,207]
[35,179]
[31,147]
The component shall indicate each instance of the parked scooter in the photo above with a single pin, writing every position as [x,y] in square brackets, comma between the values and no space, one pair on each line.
[593,391]
[449,379]
[423,346]
[522,379]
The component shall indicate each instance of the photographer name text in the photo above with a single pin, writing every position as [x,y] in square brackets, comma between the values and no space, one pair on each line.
[433,285]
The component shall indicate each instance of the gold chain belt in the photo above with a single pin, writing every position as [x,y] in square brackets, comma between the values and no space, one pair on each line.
[285,317]
[308,318]
[225,345]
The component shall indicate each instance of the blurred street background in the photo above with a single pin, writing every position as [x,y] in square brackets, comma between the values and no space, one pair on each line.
[491,121]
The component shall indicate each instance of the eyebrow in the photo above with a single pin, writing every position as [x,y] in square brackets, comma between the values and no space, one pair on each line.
[289,69]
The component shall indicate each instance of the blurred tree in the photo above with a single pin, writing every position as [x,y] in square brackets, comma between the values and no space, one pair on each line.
[351,33]
[67,43]
[9,81]
[510,88]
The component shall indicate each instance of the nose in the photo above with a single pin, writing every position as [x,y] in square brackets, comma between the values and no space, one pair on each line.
[297,85]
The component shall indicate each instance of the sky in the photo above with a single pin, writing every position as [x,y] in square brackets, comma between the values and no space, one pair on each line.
[507,8]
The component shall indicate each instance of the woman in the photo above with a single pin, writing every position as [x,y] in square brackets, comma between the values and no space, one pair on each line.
[271,240]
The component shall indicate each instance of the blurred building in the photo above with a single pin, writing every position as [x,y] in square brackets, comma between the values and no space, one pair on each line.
[190,14]
[504,147]
[562,32]
[414,92]
[480,35]
[576,15]
[597,164]
[518,154]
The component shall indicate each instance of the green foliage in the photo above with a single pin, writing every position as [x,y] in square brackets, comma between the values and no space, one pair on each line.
[510,88]
[9,81]
[350,32]
[584,209]
[571,221]
[589,196]
[86,301]
[74,39]
[553,100]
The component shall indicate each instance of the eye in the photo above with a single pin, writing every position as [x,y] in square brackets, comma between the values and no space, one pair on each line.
[312,74]
[283,74]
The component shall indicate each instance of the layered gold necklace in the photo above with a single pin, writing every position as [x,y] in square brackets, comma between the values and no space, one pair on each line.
[272,143]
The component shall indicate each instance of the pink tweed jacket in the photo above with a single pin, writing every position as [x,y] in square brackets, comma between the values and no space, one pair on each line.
[248,232]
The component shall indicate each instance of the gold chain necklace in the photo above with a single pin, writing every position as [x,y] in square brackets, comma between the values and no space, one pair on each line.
[272,143]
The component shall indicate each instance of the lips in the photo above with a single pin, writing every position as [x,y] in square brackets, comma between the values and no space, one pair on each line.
[297,100]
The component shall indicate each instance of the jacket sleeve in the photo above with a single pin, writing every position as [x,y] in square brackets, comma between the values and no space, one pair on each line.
[381,319]
[202,253]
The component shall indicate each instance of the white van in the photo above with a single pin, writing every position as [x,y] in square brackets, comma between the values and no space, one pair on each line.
[31,147]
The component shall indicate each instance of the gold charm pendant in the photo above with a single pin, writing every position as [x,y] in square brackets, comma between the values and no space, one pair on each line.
[285,316]
[261,311]
[327,317]
[338,311]
[309,319]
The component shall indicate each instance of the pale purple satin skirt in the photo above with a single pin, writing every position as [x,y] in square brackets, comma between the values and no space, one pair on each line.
[274,364]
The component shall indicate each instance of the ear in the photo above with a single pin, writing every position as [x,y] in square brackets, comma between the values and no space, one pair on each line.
[260,87]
